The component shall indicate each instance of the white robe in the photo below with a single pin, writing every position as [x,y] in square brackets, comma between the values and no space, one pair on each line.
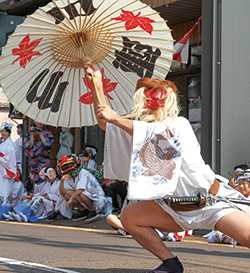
[92,164]
[164,160]
[18,151]
[17,193]
[38,207]
[7,169]
[90,188]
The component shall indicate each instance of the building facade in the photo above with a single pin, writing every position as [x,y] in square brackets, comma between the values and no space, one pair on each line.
[213,86]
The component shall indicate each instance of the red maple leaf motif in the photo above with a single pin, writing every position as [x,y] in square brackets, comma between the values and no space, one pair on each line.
[107,87]
[133,21]
[25,50]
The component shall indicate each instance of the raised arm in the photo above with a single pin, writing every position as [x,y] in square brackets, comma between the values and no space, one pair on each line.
[103,112]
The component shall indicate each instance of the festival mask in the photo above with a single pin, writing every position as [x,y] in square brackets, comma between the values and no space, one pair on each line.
[50,173]
[155,98]
[41,173]
[67,164]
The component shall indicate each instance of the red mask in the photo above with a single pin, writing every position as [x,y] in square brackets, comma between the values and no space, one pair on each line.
[155,98]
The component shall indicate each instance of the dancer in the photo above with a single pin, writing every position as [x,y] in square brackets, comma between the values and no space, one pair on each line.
[165,160]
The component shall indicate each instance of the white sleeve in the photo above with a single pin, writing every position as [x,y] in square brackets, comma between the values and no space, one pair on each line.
[83,180]
[117,153]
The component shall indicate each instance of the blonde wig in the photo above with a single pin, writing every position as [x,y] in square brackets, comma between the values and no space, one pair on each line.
[164,114]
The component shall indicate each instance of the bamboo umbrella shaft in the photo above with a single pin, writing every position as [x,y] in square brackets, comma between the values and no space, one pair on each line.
[88,61]
[96,91]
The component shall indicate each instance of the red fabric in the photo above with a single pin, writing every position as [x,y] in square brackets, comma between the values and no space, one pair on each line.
[10,174]
[187,234]
[106,181]
[17,177]
[1,155]
[177,236]
[181,55]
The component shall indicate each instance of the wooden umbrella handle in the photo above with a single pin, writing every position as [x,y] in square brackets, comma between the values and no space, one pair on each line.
[88,61]
[96,91]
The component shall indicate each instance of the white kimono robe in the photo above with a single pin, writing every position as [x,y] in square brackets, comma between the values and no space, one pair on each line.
[7,174]
[164,160]
[17,193]
[90,187]
[38,207]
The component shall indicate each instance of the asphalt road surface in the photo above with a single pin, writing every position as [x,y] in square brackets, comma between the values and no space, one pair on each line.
[39,248]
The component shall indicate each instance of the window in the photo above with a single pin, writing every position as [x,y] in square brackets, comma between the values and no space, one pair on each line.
[195,55]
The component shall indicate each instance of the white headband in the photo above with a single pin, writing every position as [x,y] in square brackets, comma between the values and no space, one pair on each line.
[92,149]
[238,170]
[245,176]
[5,124]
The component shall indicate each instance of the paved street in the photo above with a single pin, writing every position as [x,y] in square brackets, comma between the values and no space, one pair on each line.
[95,248]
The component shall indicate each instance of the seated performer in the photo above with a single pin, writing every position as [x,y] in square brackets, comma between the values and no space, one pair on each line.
[80,189]
[37,206]
[161,159]
[17,190]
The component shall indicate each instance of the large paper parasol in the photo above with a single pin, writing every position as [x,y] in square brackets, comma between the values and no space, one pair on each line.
[41,67]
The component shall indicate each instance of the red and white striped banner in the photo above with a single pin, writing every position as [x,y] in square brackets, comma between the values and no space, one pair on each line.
[181,48]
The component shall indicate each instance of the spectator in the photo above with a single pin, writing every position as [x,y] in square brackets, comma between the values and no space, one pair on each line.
[117,190]
[79,189]
[92,151]
[115,222]
[38,143]
[19,147]
[37,206]
[84,159]
[101,166]
[216,236]
[29,184]
[7,168]
[18,189]
[243,186]
[66,141]
[243,181]
[238,169]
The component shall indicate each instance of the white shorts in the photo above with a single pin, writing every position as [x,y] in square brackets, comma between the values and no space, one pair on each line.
[207,217]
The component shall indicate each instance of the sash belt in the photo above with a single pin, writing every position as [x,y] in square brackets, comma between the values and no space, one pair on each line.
[198,202]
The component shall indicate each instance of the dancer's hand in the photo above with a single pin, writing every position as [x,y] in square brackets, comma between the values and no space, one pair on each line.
[106,113]
[93,74]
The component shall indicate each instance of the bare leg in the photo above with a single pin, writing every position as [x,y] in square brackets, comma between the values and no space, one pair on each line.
[237,226]
[114,221]
[88,202]
[76,201]
[141,218]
